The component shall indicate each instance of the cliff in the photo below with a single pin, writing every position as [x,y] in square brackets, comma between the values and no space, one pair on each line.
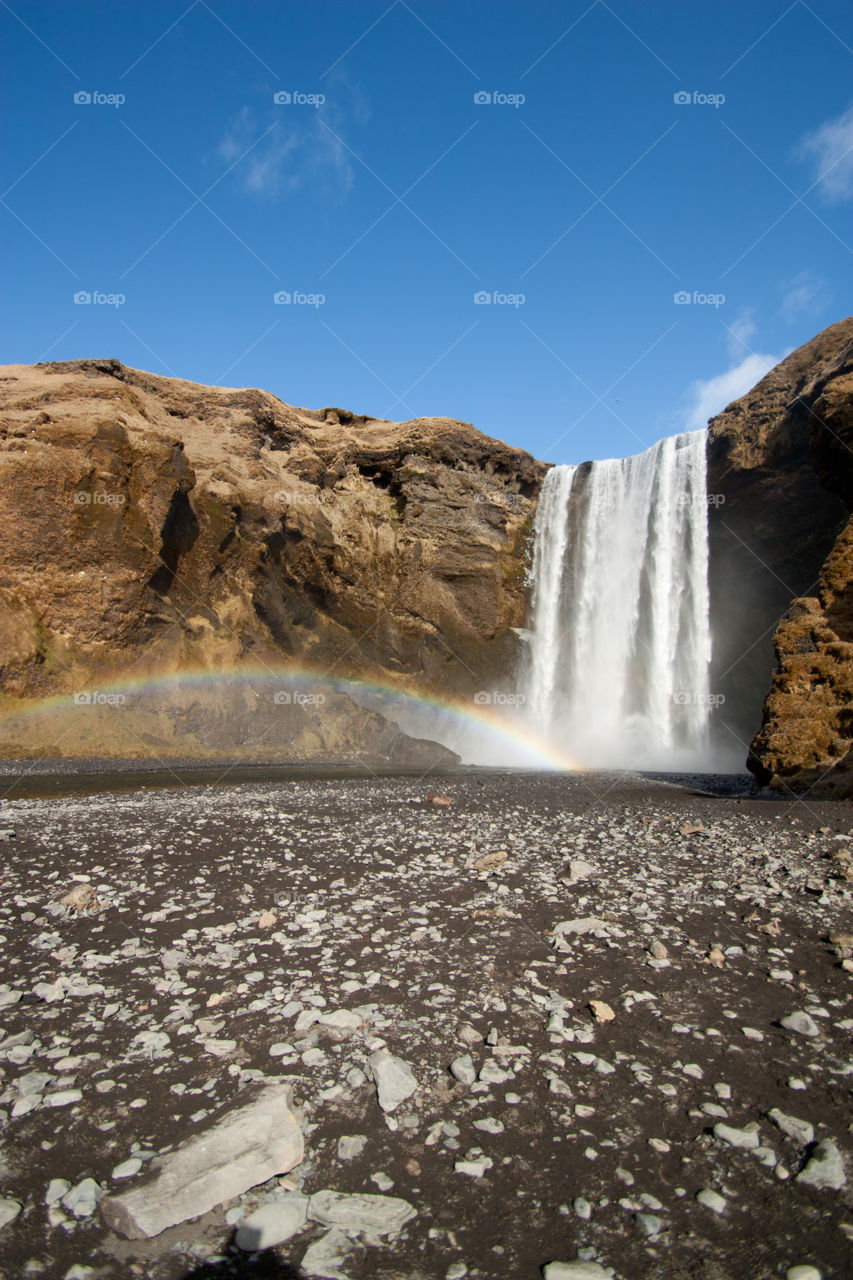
[781,488]
[157,526]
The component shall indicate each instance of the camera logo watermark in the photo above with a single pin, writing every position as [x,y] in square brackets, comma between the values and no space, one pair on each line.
[85,298]
[498,99]
[712,499]
[99,699]
[295,99]
[83,98]
[696,99]
[496,698]
[683,298]
[293,298]
[284,498]
[686,699]
[288,698]
[483,298]
[82,498]
[514,501]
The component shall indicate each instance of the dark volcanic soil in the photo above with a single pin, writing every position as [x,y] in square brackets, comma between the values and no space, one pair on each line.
[599,1136]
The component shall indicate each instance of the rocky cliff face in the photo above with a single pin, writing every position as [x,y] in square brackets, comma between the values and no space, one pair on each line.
[780,461]
[157,526]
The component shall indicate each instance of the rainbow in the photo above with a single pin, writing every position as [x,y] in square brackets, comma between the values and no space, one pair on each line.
[519,740]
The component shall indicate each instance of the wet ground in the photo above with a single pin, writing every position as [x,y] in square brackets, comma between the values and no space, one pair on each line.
[133,1022]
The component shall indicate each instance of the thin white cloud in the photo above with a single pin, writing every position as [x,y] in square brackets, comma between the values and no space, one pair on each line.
[709,396]
[806,294]
[741,331]
[297,154]
[830,148]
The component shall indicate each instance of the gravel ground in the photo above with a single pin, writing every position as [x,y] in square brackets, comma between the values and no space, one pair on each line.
[622,1089]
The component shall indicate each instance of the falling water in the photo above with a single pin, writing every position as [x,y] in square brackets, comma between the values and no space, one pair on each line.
[620,643]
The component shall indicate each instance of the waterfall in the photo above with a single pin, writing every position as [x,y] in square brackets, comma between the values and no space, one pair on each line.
[619,646]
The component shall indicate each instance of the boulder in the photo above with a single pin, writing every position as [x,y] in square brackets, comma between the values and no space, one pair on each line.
[251,1143]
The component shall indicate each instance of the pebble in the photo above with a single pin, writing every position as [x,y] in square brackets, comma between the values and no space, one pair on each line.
[395,1081]
[748,1139]
[462,1069]
[351,1146]
[273,1223]
[803,1271]
[825,1168]
[374,1215]
[801,1130]
[711,1200]
[9,1210]
[326,1257]
[474,1168]
[580,1270]
[128,1169]
[801,1023]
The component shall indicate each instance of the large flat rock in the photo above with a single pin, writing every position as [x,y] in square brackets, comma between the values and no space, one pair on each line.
[246,1147]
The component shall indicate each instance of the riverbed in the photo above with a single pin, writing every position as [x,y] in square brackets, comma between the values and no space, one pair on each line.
[605,959]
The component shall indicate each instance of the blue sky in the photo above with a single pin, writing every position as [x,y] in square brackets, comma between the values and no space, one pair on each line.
[384,196]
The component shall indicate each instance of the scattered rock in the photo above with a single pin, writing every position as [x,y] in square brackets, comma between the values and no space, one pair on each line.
[747,1139]
[825,1168]
[273,1223]
[373,1215]
[395,1081]
[801,1023]
[801,1130]
[249,1145]
[579,869]
[575,1271]
[326,1257]
[436,797]
[490,860]
[81,898]
[462,1069]
[711,1200]
[351,1146]
[601,1011]
[9,1210]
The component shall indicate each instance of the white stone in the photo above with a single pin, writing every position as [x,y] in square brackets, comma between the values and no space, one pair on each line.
[491,1073]
[9,1210]
[748,1139]
[801,1023]
[579,869]
[474,1168]
[394,1079]
[711,1200]
[342,1020]
[575,1271]
[462,1069]
[801,1130]
[127,1169]
[804,1271]
[83,1199]
[56,1189]
[351,1145]
[247,1146]
[374,1215]
[825,1170]
[273,1223]
[326,1257]
[63,1099]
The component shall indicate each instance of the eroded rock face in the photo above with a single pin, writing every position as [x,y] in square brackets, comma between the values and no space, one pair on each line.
[163,526]
[780,461]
